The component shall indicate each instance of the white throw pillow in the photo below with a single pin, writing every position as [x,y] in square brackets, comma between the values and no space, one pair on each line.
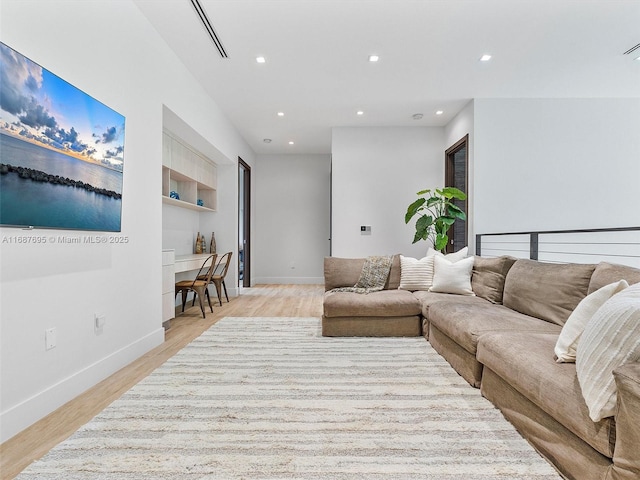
[416,274]
[452,277]
[453,257]
[610,339]
[567,343]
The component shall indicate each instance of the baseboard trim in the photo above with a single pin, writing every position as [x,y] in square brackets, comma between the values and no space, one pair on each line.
[28,412]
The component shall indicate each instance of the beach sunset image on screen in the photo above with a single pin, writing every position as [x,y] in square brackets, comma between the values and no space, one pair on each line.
[61,152]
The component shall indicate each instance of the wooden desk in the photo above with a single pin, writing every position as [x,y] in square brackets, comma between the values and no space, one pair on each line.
[173,265]
[186,263]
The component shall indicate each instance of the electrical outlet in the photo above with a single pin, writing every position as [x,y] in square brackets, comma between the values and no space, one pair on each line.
[50,338]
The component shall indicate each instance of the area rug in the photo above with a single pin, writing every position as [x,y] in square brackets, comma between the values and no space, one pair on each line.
[270,398]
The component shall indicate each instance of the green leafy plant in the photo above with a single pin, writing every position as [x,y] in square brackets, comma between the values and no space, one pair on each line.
[437,214]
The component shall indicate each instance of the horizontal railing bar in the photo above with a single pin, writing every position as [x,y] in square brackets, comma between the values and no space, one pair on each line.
[508,241]
[591,254]
[587,243]
[584,230]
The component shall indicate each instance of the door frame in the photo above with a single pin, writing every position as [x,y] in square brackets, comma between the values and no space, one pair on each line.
[449,181]
[244,176]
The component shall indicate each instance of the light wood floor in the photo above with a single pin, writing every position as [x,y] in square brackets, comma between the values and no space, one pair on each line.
[260,301]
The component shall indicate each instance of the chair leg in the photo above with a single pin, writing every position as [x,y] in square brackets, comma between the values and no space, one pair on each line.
[184,298]
[193,301]
[200,293]
[218,291]
[225,290]
[206,291]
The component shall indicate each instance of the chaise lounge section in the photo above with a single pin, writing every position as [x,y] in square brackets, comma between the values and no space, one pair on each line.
[388,313]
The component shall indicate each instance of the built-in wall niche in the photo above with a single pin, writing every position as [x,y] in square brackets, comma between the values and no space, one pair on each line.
[188,173]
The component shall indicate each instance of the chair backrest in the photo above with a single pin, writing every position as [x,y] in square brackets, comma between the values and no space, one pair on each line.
[223,264]
[207,268]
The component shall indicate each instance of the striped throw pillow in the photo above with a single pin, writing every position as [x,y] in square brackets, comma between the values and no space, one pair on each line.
[610,339]
[416,274]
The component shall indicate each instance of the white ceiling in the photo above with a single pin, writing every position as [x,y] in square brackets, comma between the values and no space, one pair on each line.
[317,70]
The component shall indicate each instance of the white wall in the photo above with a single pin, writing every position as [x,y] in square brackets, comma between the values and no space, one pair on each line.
[547,164]
[376,174]
[110,51]
[291,235]
[461,125]
[179,229]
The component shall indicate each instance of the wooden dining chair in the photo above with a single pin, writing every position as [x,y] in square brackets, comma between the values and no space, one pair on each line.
[219,272]
[199,284]
[218,275]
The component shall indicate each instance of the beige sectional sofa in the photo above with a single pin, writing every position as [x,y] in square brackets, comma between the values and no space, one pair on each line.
[502,341]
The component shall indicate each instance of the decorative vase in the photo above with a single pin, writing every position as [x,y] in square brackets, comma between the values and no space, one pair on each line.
[198,244]
[212,245]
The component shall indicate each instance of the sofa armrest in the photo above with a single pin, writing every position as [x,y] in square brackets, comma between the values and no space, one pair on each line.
[626,454]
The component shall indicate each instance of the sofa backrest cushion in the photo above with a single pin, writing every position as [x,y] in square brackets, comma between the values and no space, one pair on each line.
[549,291]
[606,273]
[345,272]
[488,276]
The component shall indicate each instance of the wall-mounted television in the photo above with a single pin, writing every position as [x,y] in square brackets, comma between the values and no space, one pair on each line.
[61,152]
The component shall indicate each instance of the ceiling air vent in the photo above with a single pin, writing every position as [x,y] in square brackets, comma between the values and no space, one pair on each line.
[632,49]
[209,28]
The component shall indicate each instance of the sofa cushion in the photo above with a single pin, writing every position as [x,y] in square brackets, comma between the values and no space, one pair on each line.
[525,361]
[386,303]
[429,298]
[625,457]
[488,276]
[567,343]
[452,257]
[465,322]
[345,272]
[416,274]
[548,291]
[610,339]
[452,277]
[606,273]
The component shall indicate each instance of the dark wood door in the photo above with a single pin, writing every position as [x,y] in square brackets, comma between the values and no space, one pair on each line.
[244,224]
[457,164]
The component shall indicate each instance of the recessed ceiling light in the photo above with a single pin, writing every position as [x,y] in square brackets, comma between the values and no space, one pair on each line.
[261,59]
[485,58]
[374,58]
[291,143]
[359,112]
[417,116]
[266,140]
[281,114]
[637,58]
[439,112]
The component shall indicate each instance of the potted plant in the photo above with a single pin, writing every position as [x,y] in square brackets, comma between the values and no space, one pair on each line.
[437,214]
